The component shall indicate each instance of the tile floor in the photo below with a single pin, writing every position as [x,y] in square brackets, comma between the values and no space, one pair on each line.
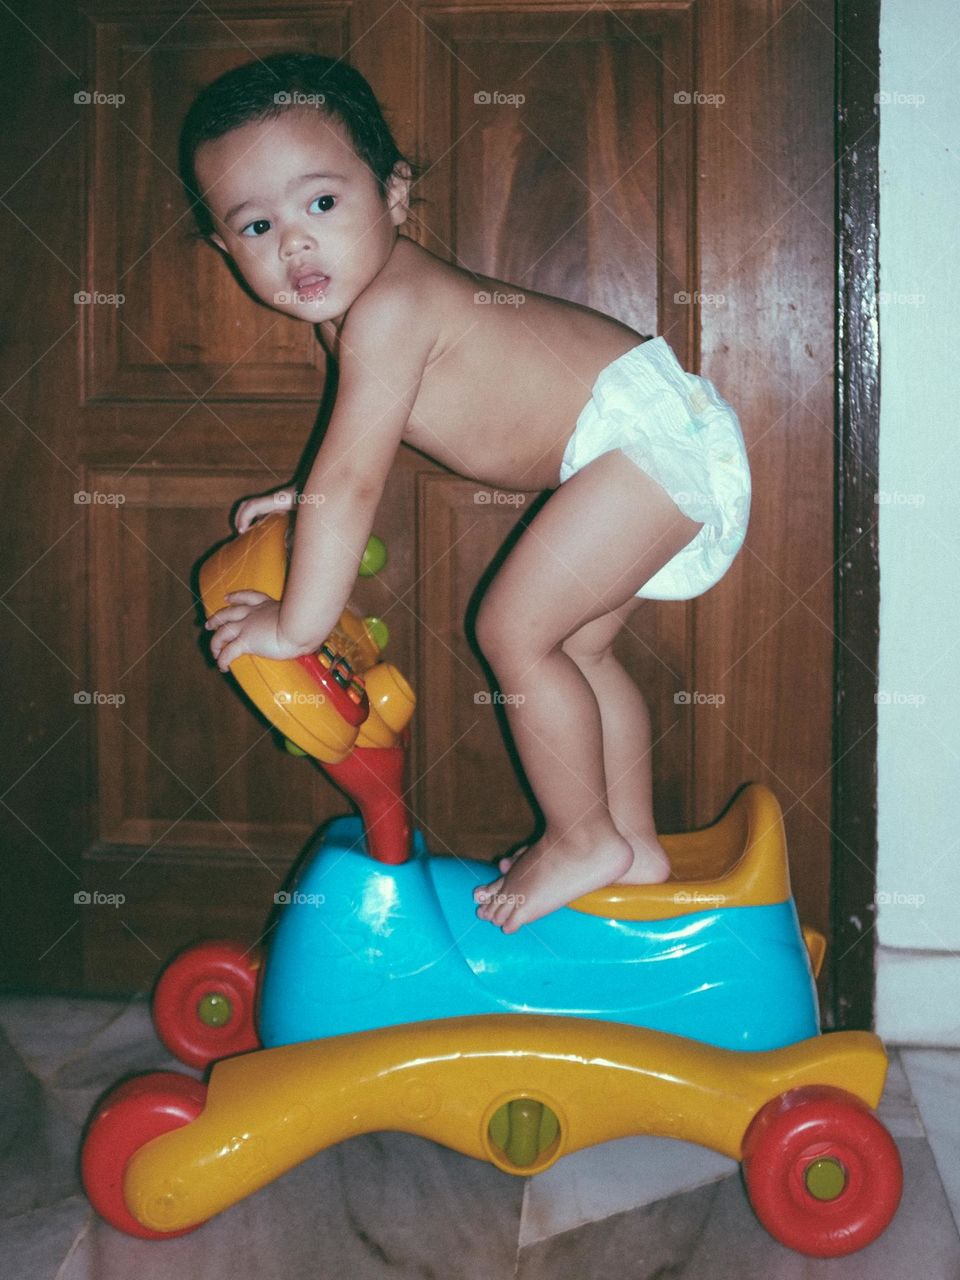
[391,1205]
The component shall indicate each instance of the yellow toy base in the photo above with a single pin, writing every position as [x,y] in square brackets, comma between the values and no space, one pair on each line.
[450,1079]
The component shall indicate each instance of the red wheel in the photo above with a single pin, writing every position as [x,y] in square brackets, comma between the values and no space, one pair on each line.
[203,1006]
[822,1173]
[135,1113]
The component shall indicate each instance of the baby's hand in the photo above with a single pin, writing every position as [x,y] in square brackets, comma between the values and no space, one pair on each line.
[248,623]
[266,504]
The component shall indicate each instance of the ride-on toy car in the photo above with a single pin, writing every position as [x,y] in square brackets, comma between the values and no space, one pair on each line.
[685,1009]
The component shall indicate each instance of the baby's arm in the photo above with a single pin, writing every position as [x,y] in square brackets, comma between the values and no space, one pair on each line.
[382,356]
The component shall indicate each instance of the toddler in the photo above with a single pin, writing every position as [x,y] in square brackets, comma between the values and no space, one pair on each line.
[294,175]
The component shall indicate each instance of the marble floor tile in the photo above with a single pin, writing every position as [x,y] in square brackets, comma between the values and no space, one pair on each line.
[594,1184]
[898,1109]
[33,1246]
[711,1234]
[379,1207]
[126,1045]
[38,1141]
[934,1076]
[48,1031]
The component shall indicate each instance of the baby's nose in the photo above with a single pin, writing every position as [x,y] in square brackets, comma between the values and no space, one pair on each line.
[295,240]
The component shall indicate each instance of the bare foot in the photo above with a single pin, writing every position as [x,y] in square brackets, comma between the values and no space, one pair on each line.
[550,875]
[650,863]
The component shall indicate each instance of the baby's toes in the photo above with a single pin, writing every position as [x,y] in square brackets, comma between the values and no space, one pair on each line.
[484,892]
[508,859]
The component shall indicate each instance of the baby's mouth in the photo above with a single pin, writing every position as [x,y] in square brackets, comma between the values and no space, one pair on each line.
[310,286]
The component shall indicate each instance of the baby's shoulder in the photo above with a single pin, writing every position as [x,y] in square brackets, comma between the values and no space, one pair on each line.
[414,294]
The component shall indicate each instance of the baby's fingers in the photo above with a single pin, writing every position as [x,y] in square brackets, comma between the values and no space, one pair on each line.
[249,511]
[247,596]
[221,637]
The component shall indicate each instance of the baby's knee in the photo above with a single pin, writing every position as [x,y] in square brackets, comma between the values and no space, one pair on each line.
[587,653]
[505,635]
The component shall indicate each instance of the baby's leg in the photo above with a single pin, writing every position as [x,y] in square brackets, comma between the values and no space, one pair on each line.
[627,763]
[627,756]
[600,537]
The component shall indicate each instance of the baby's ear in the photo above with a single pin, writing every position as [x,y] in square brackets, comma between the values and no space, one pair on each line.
[398,192]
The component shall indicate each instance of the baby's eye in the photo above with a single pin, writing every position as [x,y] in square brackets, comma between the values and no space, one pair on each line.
[257,228]
[326,207]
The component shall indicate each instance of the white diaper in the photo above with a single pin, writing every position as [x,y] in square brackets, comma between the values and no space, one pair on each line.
[681,432]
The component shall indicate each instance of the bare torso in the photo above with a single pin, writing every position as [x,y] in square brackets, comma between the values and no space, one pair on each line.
[505,380]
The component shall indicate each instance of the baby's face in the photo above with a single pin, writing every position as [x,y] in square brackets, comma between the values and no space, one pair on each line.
[299,212]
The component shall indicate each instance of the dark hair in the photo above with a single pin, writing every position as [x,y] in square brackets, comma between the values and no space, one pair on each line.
[265,89]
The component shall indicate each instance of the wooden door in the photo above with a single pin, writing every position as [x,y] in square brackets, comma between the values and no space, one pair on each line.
[670,164]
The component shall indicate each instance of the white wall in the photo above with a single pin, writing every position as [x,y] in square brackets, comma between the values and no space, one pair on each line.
[918,877]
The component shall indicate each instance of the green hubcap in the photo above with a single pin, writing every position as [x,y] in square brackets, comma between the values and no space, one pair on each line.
[523,1129]
[825,1178]
[214,1010]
